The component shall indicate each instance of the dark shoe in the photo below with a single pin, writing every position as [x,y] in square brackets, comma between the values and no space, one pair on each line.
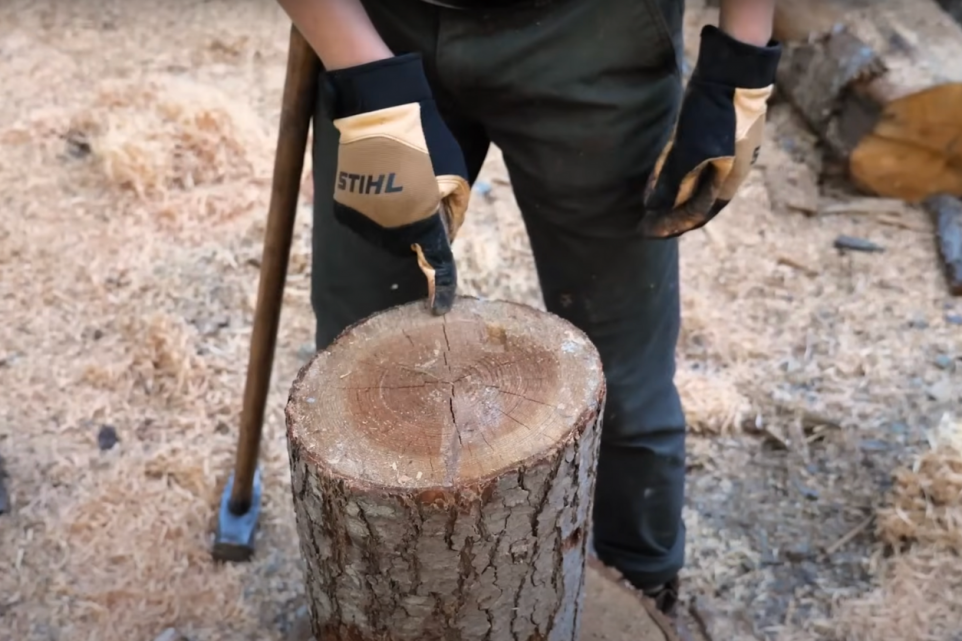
[666,601]
[665,598]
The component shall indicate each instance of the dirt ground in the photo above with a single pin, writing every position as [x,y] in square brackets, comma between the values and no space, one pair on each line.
[822,386]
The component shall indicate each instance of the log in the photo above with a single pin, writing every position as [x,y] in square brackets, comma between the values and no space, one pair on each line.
[946,213]
[881,83]
[443,471]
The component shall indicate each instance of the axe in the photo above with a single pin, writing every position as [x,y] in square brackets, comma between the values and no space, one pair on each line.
[240,502]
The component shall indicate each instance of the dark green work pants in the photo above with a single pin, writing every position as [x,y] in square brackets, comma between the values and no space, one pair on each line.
[580,95]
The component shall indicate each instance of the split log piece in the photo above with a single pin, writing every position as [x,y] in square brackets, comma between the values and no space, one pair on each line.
[880,81]
[946,213]
[443,473]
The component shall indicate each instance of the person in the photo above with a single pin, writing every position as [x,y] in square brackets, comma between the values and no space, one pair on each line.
[610,162]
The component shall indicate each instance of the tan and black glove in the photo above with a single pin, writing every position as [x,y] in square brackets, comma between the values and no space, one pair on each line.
[401,177]
[717,137]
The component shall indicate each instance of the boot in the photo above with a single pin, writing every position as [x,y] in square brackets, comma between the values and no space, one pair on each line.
[666,601]
[666,598]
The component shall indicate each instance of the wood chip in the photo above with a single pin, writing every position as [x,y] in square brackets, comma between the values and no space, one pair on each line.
[857,244]
[894,221]
[170,634]
[864,206]
[851,534]
[794,264]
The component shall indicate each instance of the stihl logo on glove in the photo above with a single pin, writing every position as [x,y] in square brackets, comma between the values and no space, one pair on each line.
[364,184]
[401,178]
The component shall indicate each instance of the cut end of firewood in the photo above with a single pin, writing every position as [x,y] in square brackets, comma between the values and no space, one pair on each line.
[412,401]
[914,150]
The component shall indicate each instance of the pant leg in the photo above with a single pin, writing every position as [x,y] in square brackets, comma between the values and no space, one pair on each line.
[581,96]
[350,279]
[624,293]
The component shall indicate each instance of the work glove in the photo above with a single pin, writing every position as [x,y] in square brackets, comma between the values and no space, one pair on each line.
[717,137]
[401,177]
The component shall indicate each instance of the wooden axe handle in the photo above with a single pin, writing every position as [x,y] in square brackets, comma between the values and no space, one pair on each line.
[297,109]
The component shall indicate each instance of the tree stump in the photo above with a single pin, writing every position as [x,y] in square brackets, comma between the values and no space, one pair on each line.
[443,472]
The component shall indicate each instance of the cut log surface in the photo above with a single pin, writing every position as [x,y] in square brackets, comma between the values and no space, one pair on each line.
[442,474]
[881,81]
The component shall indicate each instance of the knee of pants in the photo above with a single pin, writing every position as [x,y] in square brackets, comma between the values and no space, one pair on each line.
[643,410]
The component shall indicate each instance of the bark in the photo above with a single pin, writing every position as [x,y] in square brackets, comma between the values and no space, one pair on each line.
[946,213]
[880,82]
[442,474]
[613,611]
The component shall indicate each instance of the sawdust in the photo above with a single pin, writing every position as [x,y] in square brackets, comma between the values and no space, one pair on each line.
[185,152]
[925,506]
[173,557]
[713,404]
[165,137]
[137,148]
[917,572]
[919,597]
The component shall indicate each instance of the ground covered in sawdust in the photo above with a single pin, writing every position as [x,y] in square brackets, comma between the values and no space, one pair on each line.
[137,146]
